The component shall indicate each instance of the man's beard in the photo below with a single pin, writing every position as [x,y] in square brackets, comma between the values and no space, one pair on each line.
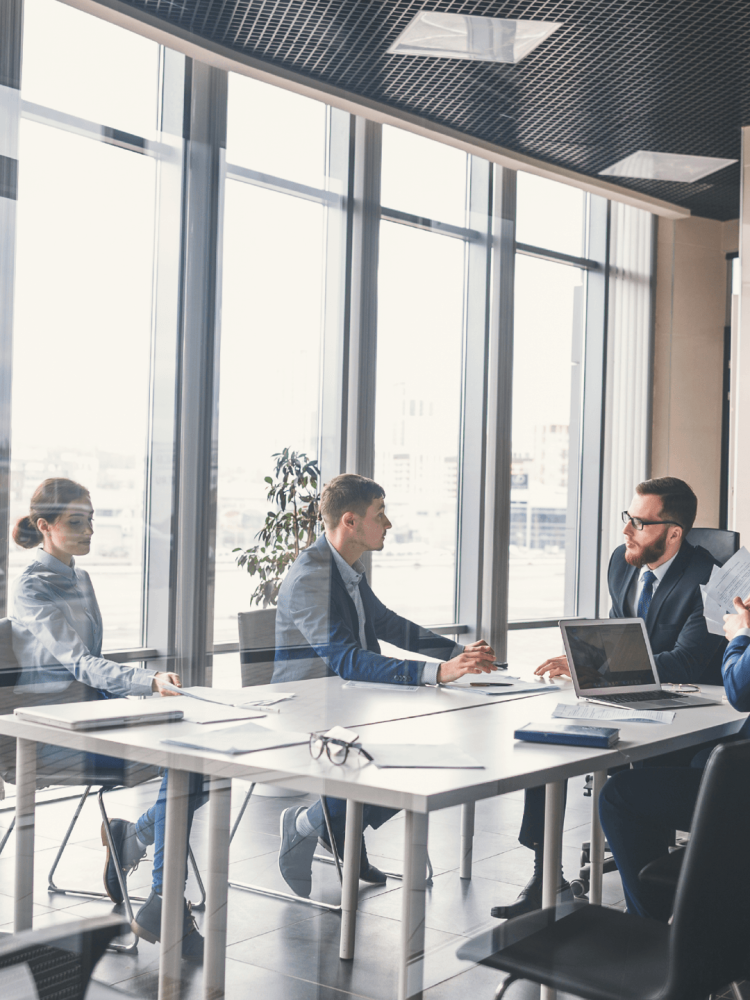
[648,555]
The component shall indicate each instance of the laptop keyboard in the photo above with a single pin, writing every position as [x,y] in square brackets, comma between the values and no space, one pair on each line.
[640,696]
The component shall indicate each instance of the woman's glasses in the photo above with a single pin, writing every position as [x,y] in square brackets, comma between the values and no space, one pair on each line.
[336,750]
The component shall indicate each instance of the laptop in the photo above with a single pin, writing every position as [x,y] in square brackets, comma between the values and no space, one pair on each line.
[108,713]
[611,664]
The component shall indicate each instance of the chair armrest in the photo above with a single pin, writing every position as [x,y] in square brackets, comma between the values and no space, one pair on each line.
[664,871]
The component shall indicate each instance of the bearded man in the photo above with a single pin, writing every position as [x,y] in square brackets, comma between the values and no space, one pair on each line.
[656,575]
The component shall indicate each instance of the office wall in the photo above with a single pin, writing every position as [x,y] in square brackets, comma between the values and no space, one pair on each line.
[690,313]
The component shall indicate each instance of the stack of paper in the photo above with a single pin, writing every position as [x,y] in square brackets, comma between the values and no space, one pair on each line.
[585,710]
[725,583]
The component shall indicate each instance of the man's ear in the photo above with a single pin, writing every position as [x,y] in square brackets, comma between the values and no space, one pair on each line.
[348,519]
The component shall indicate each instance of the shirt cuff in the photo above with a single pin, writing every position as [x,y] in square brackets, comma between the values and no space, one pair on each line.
[141,681]
[742,631]
[429,673]
[457,650]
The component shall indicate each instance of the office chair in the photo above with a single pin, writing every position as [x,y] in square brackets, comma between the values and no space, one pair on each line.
[600,953]
[59,960]
[722,545]
[257,630]
[66,771]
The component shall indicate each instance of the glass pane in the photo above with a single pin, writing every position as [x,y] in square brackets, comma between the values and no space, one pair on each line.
[81,349]
[270,367]
[417,417]
[527,648]
[550,215]
[276,132]
[100,72]
[545,311]
[423,177]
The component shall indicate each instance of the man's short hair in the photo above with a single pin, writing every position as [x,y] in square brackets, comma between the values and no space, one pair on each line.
[678,502]
[348,492]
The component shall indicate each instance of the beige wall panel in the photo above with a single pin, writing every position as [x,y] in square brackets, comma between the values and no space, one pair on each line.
[690,314]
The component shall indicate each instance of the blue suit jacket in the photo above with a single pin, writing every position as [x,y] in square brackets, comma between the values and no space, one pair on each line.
[317,629]
[684,650]
[735,671]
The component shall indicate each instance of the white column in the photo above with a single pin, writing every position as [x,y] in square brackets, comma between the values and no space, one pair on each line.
[739,486]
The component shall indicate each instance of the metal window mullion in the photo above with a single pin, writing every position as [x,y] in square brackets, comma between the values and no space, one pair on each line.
[11,42]
[496,540]
[473,432]
[591,467]
[199,371]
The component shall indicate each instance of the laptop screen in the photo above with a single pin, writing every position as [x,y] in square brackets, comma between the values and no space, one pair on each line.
[609,655]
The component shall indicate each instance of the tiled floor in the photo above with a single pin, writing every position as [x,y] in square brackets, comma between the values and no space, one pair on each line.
[290,951]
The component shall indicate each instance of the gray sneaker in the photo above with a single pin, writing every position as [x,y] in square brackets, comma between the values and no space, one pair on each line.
[296,853]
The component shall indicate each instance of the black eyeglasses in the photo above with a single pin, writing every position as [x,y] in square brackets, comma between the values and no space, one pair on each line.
[639,524]
[319,743]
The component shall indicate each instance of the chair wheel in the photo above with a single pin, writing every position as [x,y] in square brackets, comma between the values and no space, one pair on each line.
[579,887]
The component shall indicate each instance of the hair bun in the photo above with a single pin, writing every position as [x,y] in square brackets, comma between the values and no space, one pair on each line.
[26,534]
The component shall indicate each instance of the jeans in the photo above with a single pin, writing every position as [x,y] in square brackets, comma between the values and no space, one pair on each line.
[373,816]
[639,811]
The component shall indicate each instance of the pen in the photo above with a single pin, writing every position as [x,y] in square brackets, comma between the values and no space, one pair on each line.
[491,684]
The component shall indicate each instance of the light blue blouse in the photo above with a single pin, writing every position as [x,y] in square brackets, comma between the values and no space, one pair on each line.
[57,633]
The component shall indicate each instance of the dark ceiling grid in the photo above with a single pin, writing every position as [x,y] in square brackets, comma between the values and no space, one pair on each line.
[617,76]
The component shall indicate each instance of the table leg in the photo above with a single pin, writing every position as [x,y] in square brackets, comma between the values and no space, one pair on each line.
[597,841]
[175,858]
[553,821]
[219,819]
[411,972]
[25,805]
[350,885]
[467,839]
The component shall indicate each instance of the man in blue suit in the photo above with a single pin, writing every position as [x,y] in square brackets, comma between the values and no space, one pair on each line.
[328,621]
[639,809]
[656,575]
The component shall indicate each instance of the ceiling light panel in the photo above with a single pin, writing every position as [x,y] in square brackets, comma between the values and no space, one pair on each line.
[464,36]
[649,166]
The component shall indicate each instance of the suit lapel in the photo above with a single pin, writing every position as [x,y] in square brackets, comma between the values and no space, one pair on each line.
[667,585]
[629,577]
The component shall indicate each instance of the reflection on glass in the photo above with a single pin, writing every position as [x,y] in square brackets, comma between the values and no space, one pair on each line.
[550,215]
[81,349]
[423,177]
[270,367]
[544,315]
[276,132]
[417,417]
[99,72]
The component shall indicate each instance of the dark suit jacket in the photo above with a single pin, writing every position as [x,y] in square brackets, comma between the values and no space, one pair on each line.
[684,650]
[317,628]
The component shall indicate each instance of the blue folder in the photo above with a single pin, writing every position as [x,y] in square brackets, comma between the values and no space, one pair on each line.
[571,735]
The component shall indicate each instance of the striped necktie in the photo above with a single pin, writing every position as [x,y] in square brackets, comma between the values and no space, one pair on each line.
[647,593]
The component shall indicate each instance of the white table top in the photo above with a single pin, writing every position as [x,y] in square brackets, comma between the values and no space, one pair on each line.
[486,732]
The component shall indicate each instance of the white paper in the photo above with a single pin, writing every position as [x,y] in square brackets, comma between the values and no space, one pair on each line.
[231,697]
[373,686]
[247,738]
[418,755]
[729,581]
[586,710]
[495,689]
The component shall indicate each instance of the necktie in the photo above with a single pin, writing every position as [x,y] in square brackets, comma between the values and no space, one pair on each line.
[646,594]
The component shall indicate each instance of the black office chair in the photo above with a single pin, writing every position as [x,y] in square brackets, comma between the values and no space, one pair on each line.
[59,960]
[599,953]
[722,545]
[66,770]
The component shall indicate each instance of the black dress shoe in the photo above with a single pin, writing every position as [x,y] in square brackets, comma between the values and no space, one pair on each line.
[530,898]
[367,872]
[129,851]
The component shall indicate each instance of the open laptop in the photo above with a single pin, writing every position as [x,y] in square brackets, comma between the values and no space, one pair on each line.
[611,663]
[108,713]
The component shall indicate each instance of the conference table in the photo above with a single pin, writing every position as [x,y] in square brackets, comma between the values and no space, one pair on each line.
[481,725]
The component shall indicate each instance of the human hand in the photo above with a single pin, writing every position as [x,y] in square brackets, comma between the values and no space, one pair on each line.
[162,678]
[556,666]
[478,658]
[733,623]
[481,644]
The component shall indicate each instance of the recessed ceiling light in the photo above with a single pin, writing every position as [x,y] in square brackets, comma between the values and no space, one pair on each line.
[649,166]
[464,36]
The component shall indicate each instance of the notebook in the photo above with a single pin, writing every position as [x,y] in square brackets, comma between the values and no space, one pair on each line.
[612,664]
[567,733]
[109,713]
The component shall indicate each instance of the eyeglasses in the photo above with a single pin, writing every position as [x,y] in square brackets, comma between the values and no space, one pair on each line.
[639,524]
[340,751]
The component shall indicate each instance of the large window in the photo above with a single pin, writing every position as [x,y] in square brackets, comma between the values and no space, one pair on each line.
[83,299]
[272,314]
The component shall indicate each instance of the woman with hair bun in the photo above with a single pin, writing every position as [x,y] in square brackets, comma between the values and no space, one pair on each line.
[57,640]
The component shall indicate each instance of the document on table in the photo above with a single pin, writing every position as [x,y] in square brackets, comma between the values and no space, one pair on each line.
[247,738]
[725,583]
[445,756]
[206,713]
[588,711]
[493,689]
[231,697]
[374,686]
